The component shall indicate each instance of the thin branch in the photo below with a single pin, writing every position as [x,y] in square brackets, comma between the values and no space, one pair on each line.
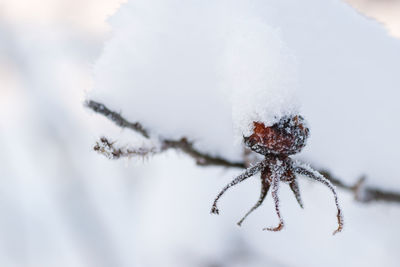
[108,149]
[116,118]
[362,193]
[202,159]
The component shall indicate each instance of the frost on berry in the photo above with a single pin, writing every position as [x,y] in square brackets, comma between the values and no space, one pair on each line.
[286,137]
[277,142]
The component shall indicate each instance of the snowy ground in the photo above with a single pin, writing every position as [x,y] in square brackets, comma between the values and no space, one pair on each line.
[64,205]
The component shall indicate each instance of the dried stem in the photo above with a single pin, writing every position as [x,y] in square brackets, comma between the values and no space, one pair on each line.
[202,159]
[108,149]
[116,118]
[362,193]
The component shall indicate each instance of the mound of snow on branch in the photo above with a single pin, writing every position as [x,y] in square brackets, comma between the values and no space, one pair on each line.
[196,69]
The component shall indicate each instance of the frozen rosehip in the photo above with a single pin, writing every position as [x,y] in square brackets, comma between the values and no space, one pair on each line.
[277,142]
[286,137]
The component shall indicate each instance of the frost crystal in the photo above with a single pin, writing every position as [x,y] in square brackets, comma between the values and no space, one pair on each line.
[108,149]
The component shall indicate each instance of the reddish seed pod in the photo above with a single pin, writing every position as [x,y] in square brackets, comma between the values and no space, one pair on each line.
[286,137]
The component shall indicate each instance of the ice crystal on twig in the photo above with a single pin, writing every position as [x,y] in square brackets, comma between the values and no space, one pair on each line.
[108,149]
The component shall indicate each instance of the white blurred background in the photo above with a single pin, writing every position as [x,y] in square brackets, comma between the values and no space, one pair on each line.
[61,204]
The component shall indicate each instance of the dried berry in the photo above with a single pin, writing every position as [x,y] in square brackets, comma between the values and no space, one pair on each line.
[277,142]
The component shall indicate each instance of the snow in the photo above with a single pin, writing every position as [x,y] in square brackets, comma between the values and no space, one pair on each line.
[162,65]
[259,75]
[345,71]
[62,204]
[341,67]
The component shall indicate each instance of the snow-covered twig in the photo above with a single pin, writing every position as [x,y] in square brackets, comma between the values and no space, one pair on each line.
[182,144]
[116,117]
[108,149]
[362,193]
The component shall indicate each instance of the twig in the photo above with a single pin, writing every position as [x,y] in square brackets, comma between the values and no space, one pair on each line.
[108,149]
[116,118]
[362,193]
[202,159]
